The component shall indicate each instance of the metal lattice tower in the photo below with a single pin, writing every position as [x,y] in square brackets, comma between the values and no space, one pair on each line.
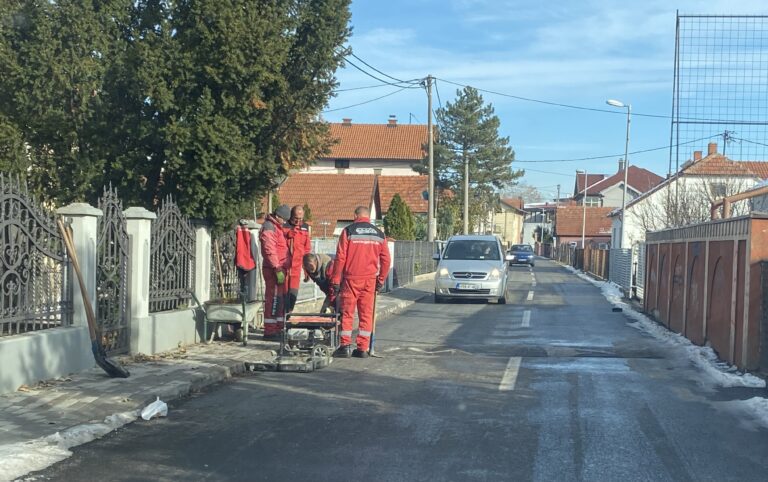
[720,91]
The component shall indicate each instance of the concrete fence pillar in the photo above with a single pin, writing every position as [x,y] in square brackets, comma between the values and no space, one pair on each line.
[139,228]
[84,220]
[202,263]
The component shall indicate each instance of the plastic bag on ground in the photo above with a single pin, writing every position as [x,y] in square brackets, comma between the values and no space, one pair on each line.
[158,408]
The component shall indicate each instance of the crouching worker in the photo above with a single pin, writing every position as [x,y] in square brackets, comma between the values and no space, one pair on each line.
[319,268]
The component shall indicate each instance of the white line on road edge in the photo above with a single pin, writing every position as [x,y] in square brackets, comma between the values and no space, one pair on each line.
[527,319]
[530,296]
[510,375]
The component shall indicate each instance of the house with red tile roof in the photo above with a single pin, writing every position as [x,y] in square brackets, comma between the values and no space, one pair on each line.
[332,198]
[386,149]
[685,197]
[508,221]
[603,190]
[570,221]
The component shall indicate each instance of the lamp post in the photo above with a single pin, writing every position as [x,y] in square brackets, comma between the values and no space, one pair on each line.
[616,103]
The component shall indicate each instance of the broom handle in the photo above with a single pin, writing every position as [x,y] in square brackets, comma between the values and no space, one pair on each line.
[69,244]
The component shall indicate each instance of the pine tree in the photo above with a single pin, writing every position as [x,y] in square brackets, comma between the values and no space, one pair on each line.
[307,213]
[398,223]
[468,130]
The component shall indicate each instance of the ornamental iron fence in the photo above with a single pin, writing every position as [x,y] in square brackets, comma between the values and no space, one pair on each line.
[35,292]
[412,258]
[172,259]
[111,275]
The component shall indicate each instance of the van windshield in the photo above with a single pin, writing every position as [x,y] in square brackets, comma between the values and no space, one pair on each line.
[472,249]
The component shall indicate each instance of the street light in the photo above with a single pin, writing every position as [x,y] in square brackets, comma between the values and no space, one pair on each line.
[622,105]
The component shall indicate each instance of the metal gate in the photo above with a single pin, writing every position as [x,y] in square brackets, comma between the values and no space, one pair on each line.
[639,267]
[35,293]
[620,268]
[111,273]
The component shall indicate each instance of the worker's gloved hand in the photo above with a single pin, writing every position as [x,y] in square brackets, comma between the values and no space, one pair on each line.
[280,277]
[379,285]
[336,289]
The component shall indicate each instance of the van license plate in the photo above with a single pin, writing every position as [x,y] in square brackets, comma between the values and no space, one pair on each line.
[465,286]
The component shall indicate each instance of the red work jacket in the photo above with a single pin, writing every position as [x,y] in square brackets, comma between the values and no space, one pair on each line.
[362,253]
[274,246]
[299,238]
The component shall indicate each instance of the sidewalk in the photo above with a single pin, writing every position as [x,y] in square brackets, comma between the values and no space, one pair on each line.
[39,424]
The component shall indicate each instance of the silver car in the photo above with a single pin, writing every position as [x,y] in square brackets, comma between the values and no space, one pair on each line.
[472,267]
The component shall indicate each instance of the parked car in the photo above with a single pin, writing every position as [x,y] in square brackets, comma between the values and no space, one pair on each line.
[521,254]
[472,267]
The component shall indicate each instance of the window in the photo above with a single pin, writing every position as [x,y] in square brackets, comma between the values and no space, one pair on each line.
[592,201]
[341,163]
[471,249]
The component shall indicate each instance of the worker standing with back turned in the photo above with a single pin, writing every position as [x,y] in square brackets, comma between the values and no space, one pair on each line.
[360,269]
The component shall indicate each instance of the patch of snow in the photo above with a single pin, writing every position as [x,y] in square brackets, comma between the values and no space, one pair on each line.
[25,457]
[758,406]
[703,357]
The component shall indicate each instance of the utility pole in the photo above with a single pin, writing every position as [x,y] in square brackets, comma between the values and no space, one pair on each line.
[466,192]
[431,224]
[557,201]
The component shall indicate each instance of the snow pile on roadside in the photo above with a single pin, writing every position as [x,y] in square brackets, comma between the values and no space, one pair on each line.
[702,356]
[758,406]
[25,457]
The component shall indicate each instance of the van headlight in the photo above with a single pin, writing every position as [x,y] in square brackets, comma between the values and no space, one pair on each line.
[443,273]
[495,274]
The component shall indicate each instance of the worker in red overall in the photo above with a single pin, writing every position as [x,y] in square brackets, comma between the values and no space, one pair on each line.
[360,269]
[299,244]
[276,264]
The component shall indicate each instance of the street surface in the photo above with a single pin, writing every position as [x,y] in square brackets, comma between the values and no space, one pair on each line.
[552,386]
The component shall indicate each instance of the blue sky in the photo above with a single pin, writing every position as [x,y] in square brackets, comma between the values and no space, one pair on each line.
[578,53]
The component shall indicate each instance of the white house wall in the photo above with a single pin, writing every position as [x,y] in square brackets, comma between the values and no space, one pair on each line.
[388,167]
[655,202]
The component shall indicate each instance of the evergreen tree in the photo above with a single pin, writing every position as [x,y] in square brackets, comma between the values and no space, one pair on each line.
[398,223]
[468,130]
[211,101]
[307,213]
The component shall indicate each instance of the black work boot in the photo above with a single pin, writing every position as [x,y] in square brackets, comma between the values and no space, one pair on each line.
[344,351]
[358,353]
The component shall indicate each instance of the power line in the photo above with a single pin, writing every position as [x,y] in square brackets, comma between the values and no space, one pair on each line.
[409,84]
[375,69]
[594,158]
[365,102]
[437,91]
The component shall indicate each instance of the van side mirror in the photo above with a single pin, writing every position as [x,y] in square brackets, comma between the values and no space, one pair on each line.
[436,256]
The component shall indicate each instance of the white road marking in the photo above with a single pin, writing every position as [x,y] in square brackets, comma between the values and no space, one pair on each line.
[510,375]
[503,333]
[533,283]
[527,319]
[530,296]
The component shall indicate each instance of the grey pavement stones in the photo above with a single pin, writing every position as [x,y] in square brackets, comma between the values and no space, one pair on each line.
[90,396]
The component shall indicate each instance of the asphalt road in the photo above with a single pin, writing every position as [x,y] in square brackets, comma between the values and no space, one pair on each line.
[552,386]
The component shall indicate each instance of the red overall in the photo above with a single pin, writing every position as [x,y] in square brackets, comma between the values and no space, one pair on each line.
[274,251]
[299,244]
[362,261]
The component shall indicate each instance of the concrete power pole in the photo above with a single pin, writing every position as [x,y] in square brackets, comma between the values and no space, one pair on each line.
[466,194]
[431,224]
[557,201]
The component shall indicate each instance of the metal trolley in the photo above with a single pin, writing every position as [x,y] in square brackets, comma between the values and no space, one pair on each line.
[308,341]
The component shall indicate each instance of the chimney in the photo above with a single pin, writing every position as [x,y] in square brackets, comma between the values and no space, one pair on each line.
[347,121]
[621,165]
[392,121]
[712,148]
[696,156]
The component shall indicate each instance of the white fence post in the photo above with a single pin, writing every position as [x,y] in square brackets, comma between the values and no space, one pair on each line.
[139,227]
[84,219]
[203,263]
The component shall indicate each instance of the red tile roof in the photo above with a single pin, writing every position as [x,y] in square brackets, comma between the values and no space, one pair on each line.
[591,179]
[568,221]
[760,168]
[410,189]
[378,141]
[330,197]
[514,202]
[717,165]
[638,178]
